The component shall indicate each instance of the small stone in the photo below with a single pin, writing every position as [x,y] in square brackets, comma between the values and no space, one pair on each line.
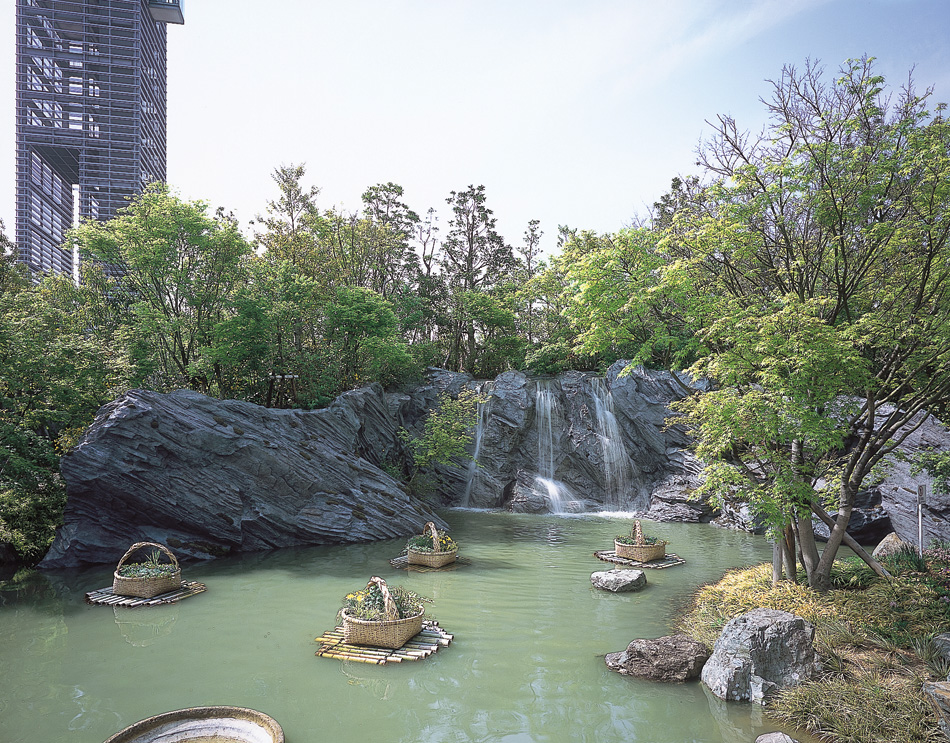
[775,738]
[619,581]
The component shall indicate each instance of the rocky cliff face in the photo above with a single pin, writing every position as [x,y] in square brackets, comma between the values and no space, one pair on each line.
[208,477]
[574,442]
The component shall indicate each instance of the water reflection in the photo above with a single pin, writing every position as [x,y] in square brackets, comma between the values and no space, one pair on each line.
[526,664]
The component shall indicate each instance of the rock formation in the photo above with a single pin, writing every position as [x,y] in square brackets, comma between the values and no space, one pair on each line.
[758,653]
[207,477]
[670,658]
[574,442]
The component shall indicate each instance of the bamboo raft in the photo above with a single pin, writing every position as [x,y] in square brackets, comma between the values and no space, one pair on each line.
[401,562]
[671,560]
[421,646]
[105,596]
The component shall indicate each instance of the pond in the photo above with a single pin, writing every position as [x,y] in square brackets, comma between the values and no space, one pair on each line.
[526,664]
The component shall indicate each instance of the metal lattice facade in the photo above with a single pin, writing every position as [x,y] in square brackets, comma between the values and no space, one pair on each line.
[90,114]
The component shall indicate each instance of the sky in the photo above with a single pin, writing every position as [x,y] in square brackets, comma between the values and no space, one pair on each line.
[572,113]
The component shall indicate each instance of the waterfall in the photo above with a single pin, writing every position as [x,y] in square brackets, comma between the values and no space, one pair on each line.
[616,461]
[484,410]
[556,493]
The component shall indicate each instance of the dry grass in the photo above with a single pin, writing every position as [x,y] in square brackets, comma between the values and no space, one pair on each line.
[875,643]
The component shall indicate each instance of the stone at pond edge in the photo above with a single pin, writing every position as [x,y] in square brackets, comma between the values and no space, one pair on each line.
[760,652]
[669,658]
[775,738]
[890,545]
[939,694]
[619,581]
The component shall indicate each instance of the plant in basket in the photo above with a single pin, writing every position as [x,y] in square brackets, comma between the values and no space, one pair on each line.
[433,547]
[382,616]
[637,546]
[149,577]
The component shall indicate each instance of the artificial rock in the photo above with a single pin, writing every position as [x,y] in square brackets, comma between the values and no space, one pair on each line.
[670,658]
[758,653]
[208,477]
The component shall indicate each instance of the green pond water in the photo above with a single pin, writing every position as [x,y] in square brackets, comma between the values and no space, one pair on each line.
[526,664]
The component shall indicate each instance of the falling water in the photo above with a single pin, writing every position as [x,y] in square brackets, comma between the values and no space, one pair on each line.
[616,461]
[559,498]
[484,410]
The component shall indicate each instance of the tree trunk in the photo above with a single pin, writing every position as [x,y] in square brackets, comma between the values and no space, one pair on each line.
[822,578]
[849,542]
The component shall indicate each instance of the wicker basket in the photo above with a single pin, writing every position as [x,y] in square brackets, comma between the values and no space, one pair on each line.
[391,632]
[436,558]
[640,551]
[146,588]
[387,633]
[432,559]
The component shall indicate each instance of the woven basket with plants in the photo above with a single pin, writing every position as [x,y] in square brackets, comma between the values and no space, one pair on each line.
[381,616]
[637,546]
[149,578]
[433,548]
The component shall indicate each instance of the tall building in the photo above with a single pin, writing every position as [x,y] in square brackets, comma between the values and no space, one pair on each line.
[90,114]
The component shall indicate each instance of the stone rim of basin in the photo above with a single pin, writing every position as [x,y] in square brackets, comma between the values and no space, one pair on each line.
[224,723]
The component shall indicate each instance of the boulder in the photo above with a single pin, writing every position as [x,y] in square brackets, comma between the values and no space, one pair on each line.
[758,653]
[775,738]
[938,692]
[889,546]
[670,658]
[208,477]
[619,581]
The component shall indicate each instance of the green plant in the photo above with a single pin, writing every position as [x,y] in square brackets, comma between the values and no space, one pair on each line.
[423,542]
[370,605]
[637,537]
[152,567]
[905,560]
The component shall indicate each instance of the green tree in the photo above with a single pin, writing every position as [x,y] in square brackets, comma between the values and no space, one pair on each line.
[363,336]
[835,223]
[179,268]
[474,259]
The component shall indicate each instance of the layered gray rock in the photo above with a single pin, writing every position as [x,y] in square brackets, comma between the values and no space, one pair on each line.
[758,653]
[939,695]
[869,522]
[208,477]
[619,581]
[898,487]
[670,658]
[573,442]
